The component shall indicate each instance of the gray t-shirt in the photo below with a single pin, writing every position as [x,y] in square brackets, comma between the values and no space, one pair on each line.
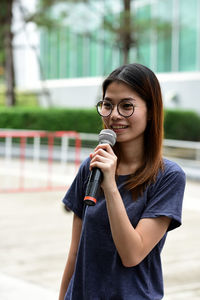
[99,273]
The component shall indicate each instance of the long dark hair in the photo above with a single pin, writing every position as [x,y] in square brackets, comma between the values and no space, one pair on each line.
[144,82]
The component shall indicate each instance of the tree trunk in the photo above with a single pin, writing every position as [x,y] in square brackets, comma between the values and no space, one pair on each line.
[127,32]
[8,48]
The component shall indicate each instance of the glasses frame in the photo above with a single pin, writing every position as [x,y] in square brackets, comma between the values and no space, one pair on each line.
[112,107]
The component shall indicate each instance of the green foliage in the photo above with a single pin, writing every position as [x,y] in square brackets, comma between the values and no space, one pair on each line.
[26,99]
[182,125]
[80,120]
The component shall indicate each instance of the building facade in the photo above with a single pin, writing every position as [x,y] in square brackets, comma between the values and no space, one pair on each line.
[76,57]
[67,54]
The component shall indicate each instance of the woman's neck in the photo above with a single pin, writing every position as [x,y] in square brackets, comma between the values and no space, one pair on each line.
[131,157]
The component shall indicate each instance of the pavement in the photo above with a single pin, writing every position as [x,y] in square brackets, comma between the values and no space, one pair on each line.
[35,233]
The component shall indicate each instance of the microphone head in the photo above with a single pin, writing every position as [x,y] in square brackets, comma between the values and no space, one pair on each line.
[107,136]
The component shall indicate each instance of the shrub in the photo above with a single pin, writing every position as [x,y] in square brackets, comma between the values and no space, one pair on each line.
[180,125]
[80,120]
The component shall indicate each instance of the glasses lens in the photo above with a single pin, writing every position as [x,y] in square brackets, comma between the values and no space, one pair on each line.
[126,108]
[104,108]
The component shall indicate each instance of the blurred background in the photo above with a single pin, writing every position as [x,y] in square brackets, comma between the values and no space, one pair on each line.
[54,56]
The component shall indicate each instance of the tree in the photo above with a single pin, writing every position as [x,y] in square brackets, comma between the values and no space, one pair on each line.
[126,30]
[6,35]
[129,30]
[7,38]
[123,25]
[126,24]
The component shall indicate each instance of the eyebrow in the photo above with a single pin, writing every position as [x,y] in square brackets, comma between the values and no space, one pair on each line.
[127,98]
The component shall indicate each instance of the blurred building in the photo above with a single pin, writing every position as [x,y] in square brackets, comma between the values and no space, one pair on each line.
[26,45]
[75,62]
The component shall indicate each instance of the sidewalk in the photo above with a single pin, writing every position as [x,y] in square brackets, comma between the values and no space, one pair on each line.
[13,288]
[35,234]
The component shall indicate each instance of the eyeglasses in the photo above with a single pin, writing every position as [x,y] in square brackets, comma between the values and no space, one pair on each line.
[125,108]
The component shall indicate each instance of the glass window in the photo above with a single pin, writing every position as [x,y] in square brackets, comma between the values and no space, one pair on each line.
[188,36]
[143,38]
[66,54]
[164,42]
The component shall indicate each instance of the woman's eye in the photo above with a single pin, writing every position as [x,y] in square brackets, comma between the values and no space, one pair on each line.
[106,105]
[127,106]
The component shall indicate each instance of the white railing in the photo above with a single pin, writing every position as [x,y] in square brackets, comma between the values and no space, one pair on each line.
[184,145]
[179,144]
[167,144]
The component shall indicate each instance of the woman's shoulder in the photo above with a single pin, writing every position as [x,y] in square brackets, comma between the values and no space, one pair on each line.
[171,166]
[86,162]
[84,166]
[171,173]
[170,179]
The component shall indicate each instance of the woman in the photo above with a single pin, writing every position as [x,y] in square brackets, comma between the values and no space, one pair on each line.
[116,244]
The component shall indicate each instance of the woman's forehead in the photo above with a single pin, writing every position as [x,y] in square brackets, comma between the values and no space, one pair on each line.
[119,90]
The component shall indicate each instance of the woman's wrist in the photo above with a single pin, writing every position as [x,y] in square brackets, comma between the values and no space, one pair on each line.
[110,187]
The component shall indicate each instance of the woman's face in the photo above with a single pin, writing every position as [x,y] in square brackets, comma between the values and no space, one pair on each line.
[133,127]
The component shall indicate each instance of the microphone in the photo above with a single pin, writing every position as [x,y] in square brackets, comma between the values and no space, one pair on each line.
[106,136]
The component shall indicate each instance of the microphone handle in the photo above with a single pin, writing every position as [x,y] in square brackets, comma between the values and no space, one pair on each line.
[93,186]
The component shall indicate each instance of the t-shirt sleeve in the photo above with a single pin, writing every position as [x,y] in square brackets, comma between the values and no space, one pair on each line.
[166,197]
[75,195]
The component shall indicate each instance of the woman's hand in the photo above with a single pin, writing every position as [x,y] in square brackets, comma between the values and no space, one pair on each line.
[105,159]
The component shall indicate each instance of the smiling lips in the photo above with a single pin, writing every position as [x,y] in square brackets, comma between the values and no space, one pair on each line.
[117,127]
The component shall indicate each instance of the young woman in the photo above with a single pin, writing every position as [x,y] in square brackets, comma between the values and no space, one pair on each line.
[116,244]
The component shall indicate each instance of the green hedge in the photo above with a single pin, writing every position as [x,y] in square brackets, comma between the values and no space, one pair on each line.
[181,125]
[80,120]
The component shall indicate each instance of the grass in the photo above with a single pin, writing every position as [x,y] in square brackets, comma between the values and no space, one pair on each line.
[23,99]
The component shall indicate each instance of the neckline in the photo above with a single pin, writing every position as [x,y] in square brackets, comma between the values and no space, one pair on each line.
[123,175]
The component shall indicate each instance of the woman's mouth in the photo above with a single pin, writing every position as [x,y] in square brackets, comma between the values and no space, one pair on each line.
[118,127]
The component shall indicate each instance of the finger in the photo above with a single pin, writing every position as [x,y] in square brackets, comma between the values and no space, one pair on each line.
[99,158]
[108,161]
[97,163]
[105,147]
[102,152]
[101,164]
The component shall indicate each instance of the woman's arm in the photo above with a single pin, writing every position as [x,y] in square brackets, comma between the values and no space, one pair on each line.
[69,268]
[133,244]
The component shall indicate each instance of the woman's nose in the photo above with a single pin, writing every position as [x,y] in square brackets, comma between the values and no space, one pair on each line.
[115,114]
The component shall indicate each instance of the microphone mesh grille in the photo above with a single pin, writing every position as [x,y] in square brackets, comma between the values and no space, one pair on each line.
[107,136]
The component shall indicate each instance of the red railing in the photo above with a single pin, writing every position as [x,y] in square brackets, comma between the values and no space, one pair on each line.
[7,156]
